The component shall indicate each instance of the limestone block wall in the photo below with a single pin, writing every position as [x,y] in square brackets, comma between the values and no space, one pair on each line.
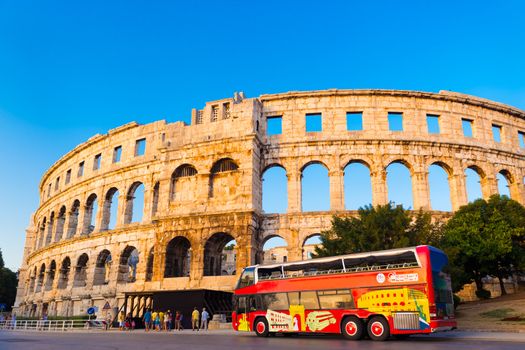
[203,187]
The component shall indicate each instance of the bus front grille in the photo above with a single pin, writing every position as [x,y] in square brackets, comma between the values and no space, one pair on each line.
[406,320]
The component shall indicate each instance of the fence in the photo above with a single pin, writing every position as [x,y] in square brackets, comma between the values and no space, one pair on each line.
[50,325]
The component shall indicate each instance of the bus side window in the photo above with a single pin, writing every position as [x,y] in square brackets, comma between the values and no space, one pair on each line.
[241,305]
[253,303]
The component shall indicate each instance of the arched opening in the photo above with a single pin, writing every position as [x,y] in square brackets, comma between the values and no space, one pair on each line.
[274,190]
[63,277]
[134,203]
[155,203]
[102,268]
[223,179]
[50,225]
[61,219]
[81,271]
[504,180]
[149,265]
[214,254]
[32,281]
[129,259]
[357,185]
[473,177]
[73,219]
[110,209]
[40,280]
[90,214]
[309,245]
[229,259]
[183,183]
[178,258]
[51,275]
[399,182]
[42,233]
[315,187]
[439,187]
[275,250]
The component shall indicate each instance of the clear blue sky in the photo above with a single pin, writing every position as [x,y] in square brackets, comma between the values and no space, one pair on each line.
[71,69]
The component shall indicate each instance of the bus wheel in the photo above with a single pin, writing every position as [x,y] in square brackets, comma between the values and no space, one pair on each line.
[352,328]
[261,327]
[378,328]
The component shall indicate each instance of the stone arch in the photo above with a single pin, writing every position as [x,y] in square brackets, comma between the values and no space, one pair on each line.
[80,279]
[357,184]
[134,208]
[63,277]
[213,253]
[51,272]
[274,185]
[102,268]
[73,219]
[155,201]
[50,225]
[32,279]
[110,209]
[42,233]
[399,178]
[505,181]
[178,258]
[474,176]
[274,249]
[224,179]
[183,183]
[315,186]
[309,243]
[439,175]
[149,265]
[90,214]
[61,219]
[127,270]
[40,278]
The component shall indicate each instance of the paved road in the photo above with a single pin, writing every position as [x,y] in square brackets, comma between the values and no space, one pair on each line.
[229,341]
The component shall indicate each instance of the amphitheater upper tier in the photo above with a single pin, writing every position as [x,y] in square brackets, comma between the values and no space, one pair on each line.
[202,186]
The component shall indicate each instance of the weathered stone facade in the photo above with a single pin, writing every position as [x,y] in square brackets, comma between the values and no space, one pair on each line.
[203,187]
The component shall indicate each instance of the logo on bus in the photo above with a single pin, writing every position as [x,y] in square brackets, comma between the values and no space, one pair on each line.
[380,278]
[403,277]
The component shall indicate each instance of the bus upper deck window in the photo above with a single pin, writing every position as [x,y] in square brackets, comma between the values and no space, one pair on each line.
[247,278]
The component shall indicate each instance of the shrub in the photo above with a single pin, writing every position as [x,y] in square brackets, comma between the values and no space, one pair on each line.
[483,294]
[457,301]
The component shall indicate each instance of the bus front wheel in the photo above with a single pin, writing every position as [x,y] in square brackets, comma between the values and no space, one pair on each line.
[261,327]
[378,328]
[352,328]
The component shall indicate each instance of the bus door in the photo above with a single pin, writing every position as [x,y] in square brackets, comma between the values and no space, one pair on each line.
[242,313]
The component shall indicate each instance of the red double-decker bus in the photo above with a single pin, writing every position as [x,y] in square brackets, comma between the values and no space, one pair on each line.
[392,292]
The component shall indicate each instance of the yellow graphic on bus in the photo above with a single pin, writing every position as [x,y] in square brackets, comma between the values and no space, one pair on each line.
[244,325]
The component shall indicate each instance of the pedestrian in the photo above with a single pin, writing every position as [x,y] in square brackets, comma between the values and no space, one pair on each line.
[108,321]
[147,320]
[205,316]
[156,320]
[167,320]
[129,319]
[195,319]
[121,319]
[177,320]
[181,327]
[161,320]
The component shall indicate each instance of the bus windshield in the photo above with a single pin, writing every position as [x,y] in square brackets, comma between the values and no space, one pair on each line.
[247,278]
[441,282]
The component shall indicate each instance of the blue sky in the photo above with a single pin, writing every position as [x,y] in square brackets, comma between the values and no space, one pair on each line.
[71,69]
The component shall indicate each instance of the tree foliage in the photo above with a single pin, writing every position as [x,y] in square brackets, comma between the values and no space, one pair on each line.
[485,238]
[8,282]
[377,228]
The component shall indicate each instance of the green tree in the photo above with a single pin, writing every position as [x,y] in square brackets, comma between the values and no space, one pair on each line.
[485,238]
[8,282]
[377,228]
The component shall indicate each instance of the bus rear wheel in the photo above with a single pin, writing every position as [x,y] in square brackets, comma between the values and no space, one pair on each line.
[261,327]
[378,328]
[352,328]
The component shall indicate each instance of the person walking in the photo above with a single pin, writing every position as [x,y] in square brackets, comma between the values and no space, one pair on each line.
[128,322]
[154,316]
[161,320]
[205,316]
[147,320]
[195,319]
[167,320]
[108,321]
[177,320]
[121,319]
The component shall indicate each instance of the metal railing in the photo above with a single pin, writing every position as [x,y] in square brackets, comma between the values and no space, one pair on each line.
[50,325]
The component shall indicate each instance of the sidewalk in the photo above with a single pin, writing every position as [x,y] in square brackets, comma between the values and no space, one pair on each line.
[473,335]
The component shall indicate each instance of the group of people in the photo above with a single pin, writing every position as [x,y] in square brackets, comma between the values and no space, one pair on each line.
[158,320]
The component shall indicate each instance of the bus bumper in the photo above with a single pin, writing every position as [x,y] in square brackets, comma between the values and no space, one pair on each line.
[442,325]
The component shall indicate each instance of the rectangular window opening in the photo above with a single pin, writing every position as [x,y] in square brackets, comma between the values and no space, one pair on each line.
[226,110]
[140,147]
[96,161]
[68,176]
[214,113]
[433,124]
[354,121]
[467,127]
[274,125]
[395,121]
[521,138]
[496,132]
[314,122]
[57,183]
[80,169]
[117,153]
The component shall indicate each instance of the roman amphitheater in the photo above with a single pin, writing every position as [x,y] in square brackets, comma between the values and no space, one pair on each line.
[203,187]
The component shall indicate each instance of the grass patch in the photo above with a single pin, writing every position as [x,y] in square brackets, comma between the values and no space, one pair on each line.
[497,313]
